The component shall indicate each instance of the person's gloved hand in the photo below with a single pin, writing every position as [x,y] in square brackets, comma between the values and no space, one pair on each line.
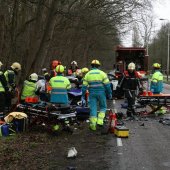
[83,101]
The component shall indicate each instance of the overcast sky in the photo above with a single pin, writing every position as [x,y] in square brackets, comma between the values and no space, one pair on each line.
[161,9]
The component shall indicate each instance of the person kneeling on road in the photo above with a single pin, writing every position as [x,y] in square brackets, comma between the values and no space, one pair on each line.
[98,85]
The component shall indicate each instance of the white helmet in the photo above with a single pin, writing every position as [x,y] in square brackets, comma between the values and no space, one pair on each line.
[1,64]
[34,77]
[131,66]
[74,62]
[16,66]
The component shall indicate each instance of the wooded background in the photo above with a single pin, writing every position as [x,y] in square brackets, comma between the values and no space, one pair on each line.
[34,32]
[158,46]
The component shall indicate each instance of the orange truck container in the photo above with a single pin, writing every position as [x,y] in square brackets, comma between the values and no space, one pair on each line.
[126,55]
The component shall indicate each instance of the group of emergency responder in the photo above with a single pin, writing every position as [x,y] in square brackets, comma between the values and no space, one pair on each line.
[132,86]
[95,81]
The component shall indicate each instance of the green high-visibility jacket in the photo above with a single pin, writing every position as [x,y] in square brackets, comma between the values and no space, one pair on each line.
[29,89]
[1,86]
[157,82]
[59,85]
[10,77]
[97,82]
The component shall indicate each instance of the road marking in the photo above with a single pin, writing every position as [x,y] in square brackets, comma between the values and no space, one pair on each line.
[119,142]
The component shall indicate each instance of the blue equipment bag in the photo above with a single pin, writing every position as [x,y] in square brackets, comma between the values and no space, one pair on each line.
[83,113]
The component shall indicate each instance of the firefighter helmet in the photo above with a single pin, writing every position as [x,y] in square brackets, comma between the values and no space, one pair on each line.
[74,63]
[16,66]
[84,70]
[96,62]
[60,69]
[131,66]
[34,77]
[55,63]
[156,65]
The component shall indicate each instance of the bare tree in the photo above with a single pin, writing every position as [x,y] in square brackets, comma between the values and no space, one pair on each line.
[34,32]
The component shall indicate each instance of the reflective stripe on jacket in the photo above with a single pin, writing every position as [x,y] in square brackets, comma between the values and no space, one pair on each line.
[10,77]
[130,81]
[29,89]
[96,81]
[1,86]
[127,74]
[157,82]
[59,85]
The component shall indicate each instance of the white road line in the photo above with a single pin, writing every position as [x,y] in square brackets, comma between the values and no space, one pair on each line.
[119,142]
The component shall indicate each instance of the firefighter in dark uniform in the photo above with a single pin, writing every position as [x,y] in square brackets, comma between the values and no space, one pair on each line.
[131,86]
[10,75]
[3,90]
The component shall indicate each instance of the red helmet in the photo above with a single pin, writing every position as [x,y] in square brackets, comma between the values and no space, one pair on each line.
[55,63]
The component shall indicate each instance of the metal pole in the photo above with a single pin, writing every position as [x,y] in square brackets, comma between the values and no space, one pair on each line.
[168,55]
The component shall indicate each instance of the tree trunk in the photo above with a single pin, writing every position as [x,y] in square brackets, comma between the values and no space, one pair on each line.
[41,53]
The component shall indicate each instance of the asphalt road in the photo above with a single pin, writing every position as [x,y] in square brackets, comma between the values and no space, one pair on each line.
[147,148]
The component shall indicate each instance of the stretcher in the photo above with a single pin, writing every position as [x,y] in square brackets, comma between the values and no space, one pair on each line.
[155,101]
[49,114]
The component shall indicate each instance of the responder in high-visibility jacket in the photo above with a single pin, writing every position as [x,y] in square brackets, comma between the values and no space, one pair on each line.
[156,85]
[10,76]
[3,91]
[81,76]
[30,87]
[157,79]
[131,85]
[52,73]
[60,85]
[97,82]
[84,71]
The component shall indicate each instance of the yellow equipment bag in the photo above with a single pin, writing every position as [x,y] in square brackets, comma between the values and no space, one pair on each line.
[121,131]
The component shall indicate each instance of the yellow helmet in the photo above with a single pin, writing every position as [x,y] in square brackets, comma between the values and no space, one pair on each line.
[16,66]
[1,64]
[131,66]
[156,65]
[84,70]
[60,69]
[34,77]
[96,62]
